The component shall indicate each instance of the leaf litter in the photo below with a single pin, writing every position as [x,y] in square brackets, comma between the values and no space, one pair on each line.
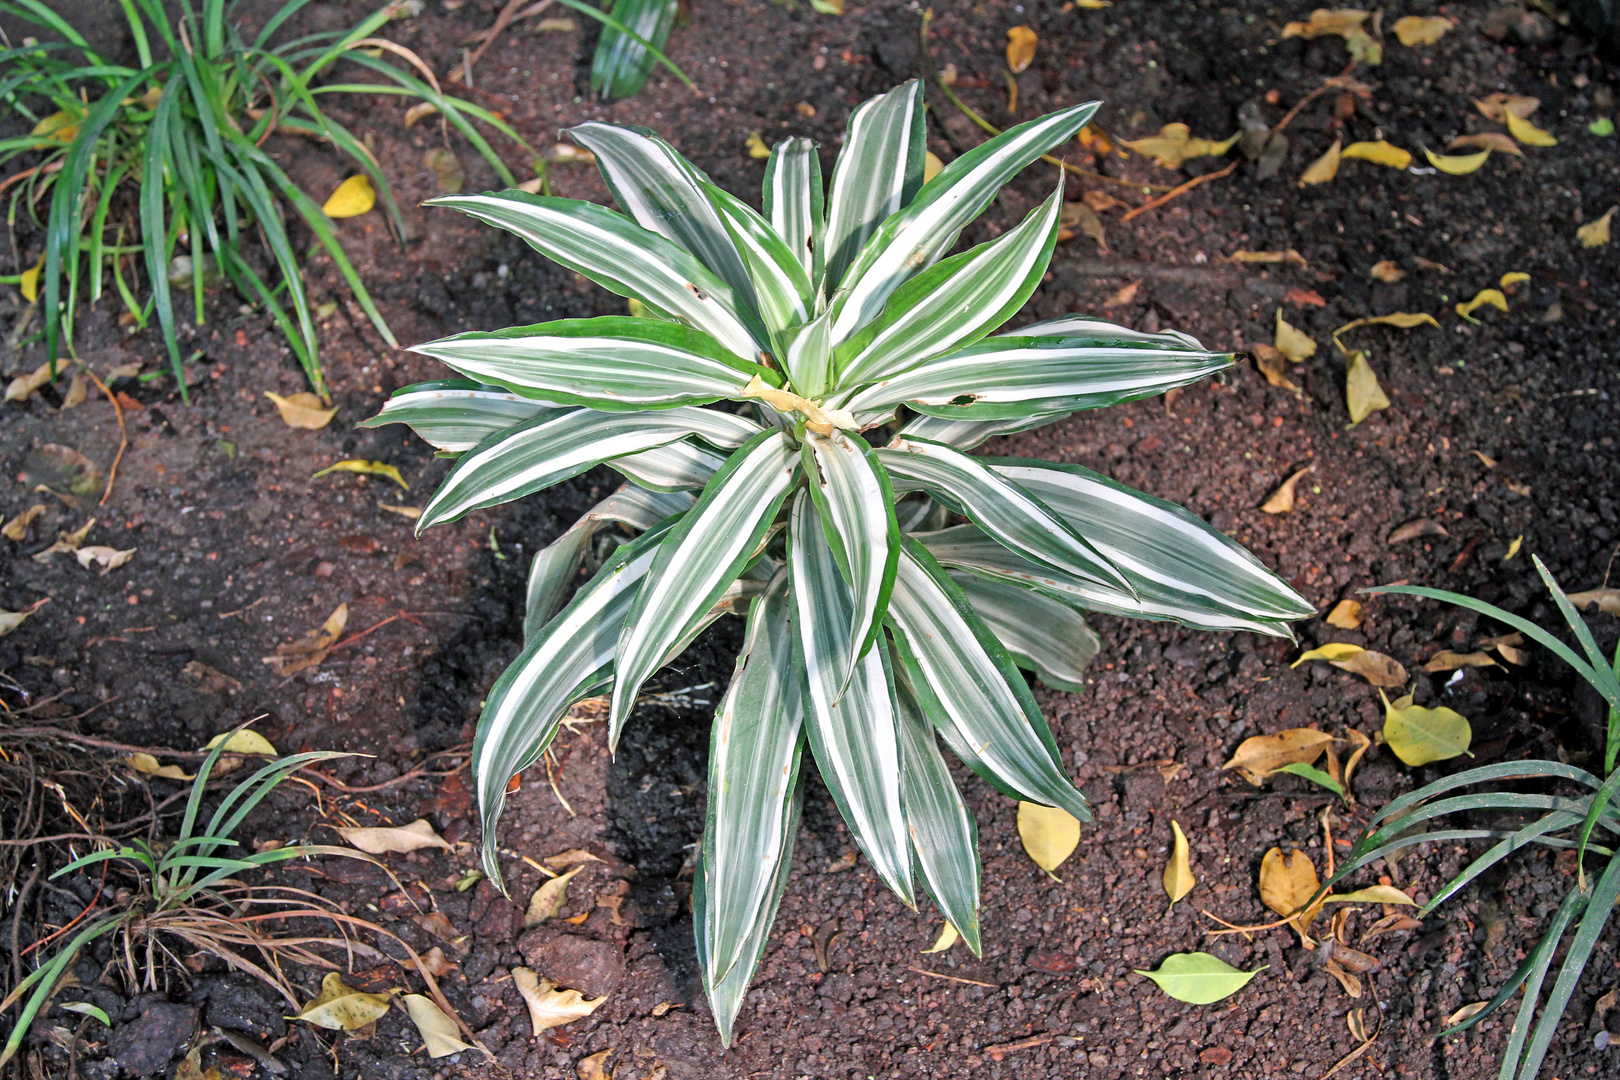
[1198,978]
[1049,835]
[1178,875]
[395,840]
[550,1006]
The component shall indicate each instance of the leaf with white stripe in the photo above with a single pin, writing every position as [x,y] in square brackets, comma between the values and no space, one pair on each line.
[856,506]
[781,287]
[614,363]
[955,302]
[878,171]
[702,555]
[826,603]
[1104,334]
[1169,552]
[557,564]
[968,684]
[1010,378]
[793,201]
[624,258]
[549,449]
[999,506]
[1042,634]
[966,434]
[944,837]
[676,466]
[808,356]
[917,236]
[457,414]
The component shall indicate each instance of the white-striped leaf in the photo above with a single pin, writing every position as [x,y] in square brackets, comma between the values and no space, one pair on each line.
[676,466]
[970,687]
[549,449]
[702,555]
[753,769]
[557,564]
[966,434]
[624,258]
[1020,377]
[621,63]
[826,603]
[917,236]
[781,288]
[808,356]
[878,171]
[944,837]
[456,415]
[1104,334]
[1041,633]
[856,506]
[1157,544]
[613,363]
[793,201]
[570,658]
[955,302]
[1006,511]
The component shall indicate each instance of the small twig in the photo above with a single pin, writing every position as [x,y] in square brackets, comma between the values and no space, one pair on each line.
[1021,1044]
[1327,84]
[123,430]
[1233,928]
[952,978]
[415,774]
[1180,189]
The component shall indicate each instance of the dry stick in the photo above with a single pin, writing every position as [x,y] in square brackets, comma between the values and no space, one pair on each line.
[1178,190]
[508,14]
[952,978]
[1327,84]
[123,430]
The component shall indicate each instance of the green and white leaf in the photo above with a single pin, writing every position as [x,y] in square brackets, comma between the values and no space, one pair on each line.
[676,466]
[856,506]
[621,64]
[1107,335]
[1042,634]
[793,201]
[782,289]
[808,355]
[966,434]
[825,602]
[878,171]
[456,415]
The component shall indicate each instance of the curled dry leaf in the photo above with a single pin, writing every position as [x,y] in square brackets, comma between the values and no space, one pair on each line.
[296,656]
[1281,501]
[1386,271]
[440,1036]
[353,197]
[1333,650]
[1497,106]
[1417,30]
[420,111]
[1021,41]
[1526,132]
[1446,660]
[10,620]
[1512,278]
[1260,755]
[1293,343]
[1418,736]
[1324,168]
[28,283]
[1340,21]
[341,1007]
[1375,667]
[1467,1012]
[1389,924]
[1596,233]
[1351,984]
[1373,894]
[399,839]
[1456,165]
[1101,200]
[109,559]
[595,1066]
[1491,297]
[145,763]
[20,388]
[1290,256]
[1363,395]
[1606,599]
[1199,978]
[947,937]
[367,468]
[1287,883]
[302,410]
[243,742]
[1414,529]
[1174,145]
[1403,319]
[1361,743]
[412,512]
[550,1007]
[1346,615]
[1486,140]
[1049,834]
[436,964]
[548,900]
[1379,153]
[17,528]
[1081,216]
[1178,875]
[571,857]
[1270,363]
[1124,296]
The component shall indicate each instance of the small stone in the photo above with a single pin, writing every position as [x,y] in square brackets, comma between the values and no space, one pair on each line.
[146,1044]
[592,967]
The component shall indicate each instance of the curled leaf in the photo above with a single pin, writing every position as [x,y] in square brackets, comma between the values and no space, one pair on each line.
[17,528]
[1606,599]
[1513,278]
[109,559]
[1596,233]
[1021,41]
[440,1036]
[311,650]
[1287,883]
[1386,270]
[947,937]
[1403,319]
[421,110]
[340,1007]
[29,284]
[1459,165]
[1174,144]
[353,197]
[10,620]
[399,840]
[1526,132]
[143,762]
[246,741]
[1260,755]
[550,1007]
[1446,660]
[1493,297]
[1281,501]
[20,388]
[1340,21]
[1293,343]
[62,127]
[1049,834]
[1497,106]
[1375,894]
[1178,875]
[1346,615]
[548,900]
[1324,168]
[369,468]
[1199,978]
[1362,393]
[1332,651]
[1417,30]
[1415,528]
[1270,363]
[1418,735]
[302,410]
[1379,153]
[1375,667]
[1486,140]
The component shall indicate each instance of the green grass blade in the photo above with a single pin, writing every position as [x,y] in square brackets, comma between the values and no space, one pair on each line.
[43,980]
[1595,918]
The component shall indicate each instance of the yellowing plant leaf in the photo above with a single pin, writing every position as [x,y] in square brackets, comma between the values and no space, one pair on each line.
[412,512]
[947,937]
[1497,106]
[340,1007]
[62,127]
[17,528]
[1260,755]
[352,198]
[1324,168]
[595,1066]
[245,741]
[1362,46]
[1459,165]
[440,1036]
[369,468]
[1340,21]
[22,386]
[1050,834]
[108,558]
[1346,615]
[309,651]
[1270,363]
[1178,875]
[398,840]
[1375,667]
[931,165]
[1379,153]
[29,284]
[420,111]
[1093,5]
[1293,343]
[1375,894]
[1333,650]
[1596,233]
[1607,600]
[1446,660]
[302,410]
[1021,42]
[1387,271]
[1418,735]
[550,1007]
[1199,978]
[1362,393]
[1287,883]
[1403,319]
[1486,140]
[1281,501]
[1289,255]
[1174,144]
[756,146]
[143,762]
[1467,1012]
[1513,278]
[1493,297]
[1415,30]
[548,900]
[1526,132]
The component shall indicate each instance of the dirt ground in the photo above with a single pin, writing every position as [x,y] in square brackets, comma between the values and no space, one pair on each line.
[238,551]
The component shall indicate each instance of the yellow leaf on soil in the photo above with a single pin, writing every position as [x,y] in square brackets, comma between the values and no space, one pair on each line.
[1403,319]
[1486,140]
[1379,153]
[1596,233]
[353,197]
[1267,257]
[550,1007]
[1460,165]
[1416,30]
[1270,363]
[369,468]
[1260,755]
[340,1007]
[1496,106]
[310,650]
[17,528]
[245,741]
[1340,21]
[1467,1012]
[22,386]
[420,111]
[1514,278]
[1282,500]
[1178,875]
[595,1066]
[1526,132]
[1050,834]
[1418,735]
[412,512]
[947,937]
[1093,5]
[1375,894]
[1361,390]
[396,840]
[1346,615]
[29,284]
[62,127]
[1021,42]
[302,410]
[756,146]
[1493,297]
[1375,667]
[145,763]
[1387,271]
[440,1036]
[1287,884]
[1333,650]
[1446,660]
[1324,168]
[1607,600]
[931,166]
[1174,144]
[548,900]
[1293,343]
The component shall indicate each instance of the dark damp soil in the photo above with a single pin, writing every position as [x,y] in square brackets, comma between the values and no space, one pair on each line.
[238,551]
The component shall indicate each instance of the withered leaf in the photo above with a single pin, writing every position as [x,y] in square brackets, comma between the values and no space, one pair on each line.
[143,762]
[1446,660]
[369,468]
[1287,883]
[1291,342]
[17,528]
[1417,30]
[1418,736]
[1414,529]
[550,1007]
[548,900]
[400,839]
[1324,168]
[309,652]
[947,937]
[1049,834]
[1270,363]
[1486,140]
[1351,984]
[1260,755]
[1456,165]
[1281,501]
[1596,233]
[1379,153]
[1492,297]
[1497,106]
[1021,42]
[1174,145]
[1363,395]
[341,1007]
[1387,271]
[302,410]
[1346,615]
[1178,875]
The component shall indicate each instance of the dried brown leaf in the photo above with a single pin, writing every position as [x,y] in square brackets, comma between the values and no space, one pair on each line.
[291,658]
[1363,395]
[1260,755]
[1178,875]
[1346,615]
[1287,883]
[1497,106]
[17,528]
[1375,667]
[1486,140]
[1021,42]
[1387,271]
[550,1007]
[1446,660]
[548,900]
[302,410]
[1281,501]
[1418,30]
[400,839]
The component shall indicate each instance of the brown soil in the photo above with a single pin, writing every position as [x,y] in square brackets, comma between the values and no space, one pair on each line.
[238,551]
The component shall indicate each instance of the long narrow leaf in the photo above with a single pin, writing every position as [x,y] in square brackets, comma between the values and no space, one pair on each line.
[856,506]
[1042,634]
[676,466]
[458,414]
[793,201]
[878,172]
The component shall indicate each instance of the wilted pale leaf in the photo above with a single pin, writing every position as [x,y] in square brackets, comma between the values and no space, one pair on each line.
[1124,296]
[1093,5]
[947,937]
[550,1007]
[1346,615]
[594,1067]
[24,385]
[1050,834]
[1324,168]
[1375,667]
[440,1036]
[1174,144]
[1606,599]
[10,620]
[573,856]
[1332,651]
[412,512]
[1403,319]
[1270,363]
[1293,343]
[1362,744]
[756,146]
[1199,978]
[1446,660]
[1322,21]
[1418,735]
[1415,30]
[420,111]
[1379,153]
[1467,1012]
[342,1008]
[1361,390]
[352,198]
[1260,755]
[109,559]
[399,840]
[1486,140]
[62,127]
[1526,132]
[1497,106]
[1289,255]
[302,410]
[1178,875]
[549,898]
[1596,233]
[369,468]
[931,165]
[1458,165]
[1281,501]
[1363,47]
[309,651]
[1287,884]
[29,284]
[1021,42]
[143,762]
[1373,894]
[1513,278]
[1387,271]
[1493,297]
[246,741]
[17,528]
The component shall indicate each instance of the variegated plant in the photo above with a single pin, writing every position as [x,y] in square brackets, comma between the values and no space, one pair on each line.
[793,413]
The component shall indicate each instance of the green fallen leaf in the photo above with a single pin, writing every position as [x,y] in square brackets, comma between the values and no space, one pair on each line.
[1199,978]
[371,468]
[1419,736]
[1315,776]
[87,1009]
[1602,127]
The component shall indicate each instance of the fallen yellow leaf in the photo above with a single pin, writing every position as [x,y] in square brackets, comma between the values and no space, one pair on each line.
[353,197]
[311,649]
[1361,390]
[550,1007]
[1093,5]
[1178,875]
[412,512]
[62,127]
[1375,667]
[756,146]
[1416,30]
[29,284]
[246,741]
[1596,233]
[1386,271]
[1267,257]
[595,1066]
[420,111]
[1513,549]
[1021,42]
[1174,144]
[1606,599]
[302,410]
[369,468]
[1446,660]
[1322,21]
[340,1007]
[1293,343]
[1511,279]
[1261,755]
[1346,615]
[1270,363]
[1379,153]
[397,839]
[108,558]
[1486,140]
[947,937]
[17,528]
[1418,736]
[143,762]
[548,900]
[1493,297]
[1526,132]
[1287,883]
[1405,320]
[931,165]
[1459,165]
[1333,650]
[440,1036]
[1496,106]
[1281,501]
[1324,168]
[1049,834]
